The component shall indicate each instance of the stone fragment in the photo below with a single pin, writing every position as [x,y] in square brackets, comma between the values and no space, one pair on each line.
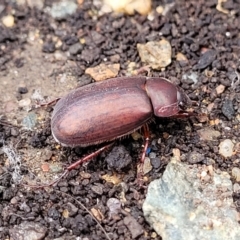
[103,71]
[226,148]
[158,54]
[208,134]
[227,109]
[60,10]
[192,203]
[28,231]
[206,59]
[130,6]
[133,226]
[8,21]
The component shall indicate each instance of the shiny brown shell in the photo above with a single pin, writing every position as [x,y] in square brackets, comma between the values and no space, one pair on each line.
[110,109]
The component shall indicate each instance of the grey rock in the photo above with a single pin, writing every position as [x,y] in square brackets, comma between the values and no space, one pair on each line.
[24,207]
[118,158]
[156,162]
[227,109]
[76,48]
[195,157]
[60,10]
[206,59]
[14,132]
[97,38]
[133,226]
[114,206]
[190,78]
[97,188]
[30,121]
[28,231]
[152,155]
[182,206]
[39,4]
[72,209]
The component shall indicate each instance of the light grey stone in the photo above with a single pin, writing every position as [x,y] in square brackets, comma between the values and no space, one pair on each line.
[182,205]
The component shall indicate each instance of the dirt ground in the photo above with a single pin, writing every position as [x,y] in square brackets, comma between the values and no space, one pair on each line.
[43,58]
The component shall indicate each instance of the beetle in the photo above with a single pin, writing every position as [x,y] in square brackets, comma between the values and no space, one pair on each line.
[107,110]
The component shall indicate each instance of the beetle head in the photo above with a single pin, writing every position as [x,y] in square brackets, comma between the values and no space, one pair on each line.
[183,100]
[167,99]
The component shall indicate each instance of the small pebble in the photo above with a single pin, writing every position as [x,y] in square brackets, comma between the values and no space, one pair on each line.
[156,162]
[72,209]
[98,189]
[133,226]
[97,38]
[208,134]
[64,189]
[30,121]
[208,161]
[236,187]
[45,167]
[39,4]
[46,154]
[157,54]
[220,89]
[14,132]
[85,175]
[65,213]
[28,230]
[236,173]
[60,10]
[181,57]
[14,200]
[190,77]
[227,109]
[147,166]
[206,59]
[152,155]
[136,136]
[118,158]
[59,56]
[8,21]
[76,49]
[24,102]
[56,167]
[103,71]
[114,206]
[195,157]
[24,207]
[226,148]
[129,6]
[85,182]
[22,90]
[49,47]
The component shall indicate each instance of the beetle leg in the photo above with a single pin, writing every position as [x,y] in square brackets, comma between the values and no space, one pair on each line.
[88,157]
[184,114]
[146,137]
[144,69]
[54,101]
[72,166]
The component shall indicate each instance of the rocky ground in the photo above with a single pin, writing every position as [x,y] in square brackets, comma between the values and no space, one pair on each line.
[48,48]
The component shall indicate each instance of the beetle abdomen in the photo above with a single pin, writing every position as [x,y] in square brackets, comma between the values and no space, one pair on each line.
[101,112]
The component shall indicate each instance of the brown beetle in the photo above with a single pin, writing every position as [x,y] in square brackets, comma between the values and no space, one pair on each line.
[107,110]
[110,109]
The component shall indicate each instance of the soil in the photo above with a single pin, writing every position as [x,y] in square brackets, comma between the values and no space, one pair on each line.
[41,59]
